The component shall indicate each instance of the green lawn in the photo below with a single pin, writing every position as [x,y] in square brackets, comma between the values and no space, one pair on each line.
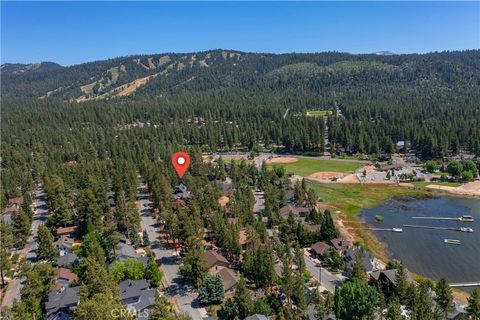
[307,166]
[351,198]
[318,113]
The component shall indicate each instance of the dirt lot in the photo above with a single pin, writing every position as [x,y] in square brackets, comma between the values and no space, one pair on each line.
[283,160]
[470,189]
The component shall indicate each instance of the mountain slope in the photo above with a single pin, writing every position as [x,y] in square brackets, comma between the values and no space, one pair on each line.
[202,71]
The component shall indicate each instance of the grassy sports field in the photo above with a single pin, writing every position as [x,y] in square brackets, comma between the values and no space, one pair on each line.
[307,166]
[318,113]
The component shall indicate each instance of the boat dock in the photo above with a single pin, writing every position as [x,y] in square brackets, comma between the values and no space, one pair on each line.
[439,228]
[465,284]
[462,218]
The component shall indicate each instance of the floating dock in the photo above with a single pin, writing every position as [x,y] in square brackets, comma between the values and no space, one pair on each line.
[462,218]
[439,228]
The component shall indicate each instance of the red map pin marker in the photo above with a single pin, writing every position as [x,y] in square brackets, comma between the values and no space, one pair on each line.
[180,161]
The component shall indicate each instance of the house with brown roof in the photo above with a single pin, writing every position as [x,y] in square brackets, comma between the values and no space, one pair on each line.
[387,276]
[18,201]
[66,231]
[341,245]
[229,278]
[320,248]
[295,210]
[63,277]
[215,260]
[13,205]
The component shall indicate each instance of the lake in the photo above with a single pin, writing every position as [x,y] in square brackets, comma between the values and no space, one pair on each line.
[422,250]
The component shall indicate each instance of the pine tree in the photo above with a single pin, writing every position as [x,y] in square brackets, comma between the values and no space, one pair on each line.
[444,298]
[328,231]
[46,248]
[473,307]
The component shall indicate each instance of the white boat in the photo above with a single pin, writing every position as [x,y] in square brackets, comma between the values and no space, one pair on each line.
[464,229]
[397,229]
[451,241]
[466,218]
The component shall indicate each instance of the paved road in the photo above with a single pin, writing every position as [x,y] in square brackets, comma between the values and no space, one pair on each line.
[29,251]
[259,204]
[182,293]
[329,281]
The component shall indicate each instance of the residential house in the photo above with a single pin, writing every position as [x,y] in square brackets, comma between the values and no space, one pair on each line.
[15,203]
[389,276]
[137,295]
[66,231]
[298,212]
[229,278]
[369,261]
[125,251]
[68,260]
[341,245]
[63,277]
[181,192]
[61,304]
[319,249]
[215,260]
[65,245]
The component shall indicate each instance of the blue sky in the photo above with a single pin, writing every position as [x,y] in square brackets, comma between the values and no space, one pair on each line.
[71,33]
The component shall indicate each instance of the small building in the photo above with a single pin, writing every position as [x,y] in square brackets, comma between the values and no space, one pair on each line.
[16,202]
[63,277]
[65,245]
[229,278]
[181,192]
[295,210]
[341,245]
[387,276]
[369,261]
[66,231]
[215,260]
[124,251]
[136,295]
[68,260]
[319,249]
[61,304]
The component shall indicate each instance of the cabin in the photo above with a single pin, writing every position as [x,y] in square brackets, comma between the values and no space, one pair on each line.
[63,277]
[298,212]
[68,260]
[137,295]
[369,261]
[229,278]
[341,245]
[61,303]
[319,249]
[215,260]
[181,192]
[66,231]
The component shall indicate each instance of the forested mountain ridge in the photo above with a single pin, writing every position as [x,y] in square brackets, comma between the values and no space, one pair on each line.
[201,71]
[21,68]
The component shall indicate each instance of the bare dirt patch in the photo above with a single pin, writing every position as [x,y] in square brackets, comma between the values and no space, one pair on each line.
[282,160]
[223,200]
[469,189]
[326,175]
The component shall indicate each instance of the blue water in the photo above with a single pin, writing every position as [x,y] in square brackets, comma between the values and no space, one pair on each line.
[422,250]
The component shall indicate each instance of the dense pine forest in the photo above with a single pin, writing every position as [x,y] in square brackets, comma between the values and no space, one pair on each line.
[225,100]
[90,133]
